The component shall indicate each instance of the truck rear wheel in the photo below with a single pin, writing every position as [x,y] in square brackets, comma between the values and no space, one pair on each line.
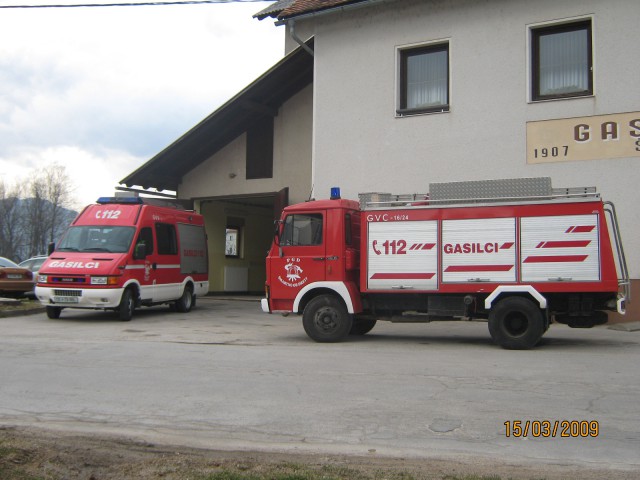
[516,323]
[325,319]
[127,305]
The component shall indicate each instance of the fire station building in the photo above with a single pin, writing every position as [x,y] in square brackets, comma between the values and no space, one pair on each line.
[392,95]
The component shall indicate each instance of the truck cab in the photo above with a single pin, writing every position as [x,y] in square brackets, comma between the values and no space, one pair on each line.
[316,250]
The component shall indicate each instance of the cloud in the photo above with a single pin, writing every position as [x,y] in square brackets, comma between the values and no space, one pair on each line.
[114,86]
[91,175]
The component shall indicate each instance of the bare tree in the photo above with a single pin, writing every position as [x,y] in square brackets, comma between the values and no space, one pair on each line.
[11,221]
[49,198]
[58,194]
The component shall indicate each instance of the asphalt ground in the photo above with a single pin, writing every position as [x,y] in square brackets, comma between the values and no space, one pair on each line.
[227,376]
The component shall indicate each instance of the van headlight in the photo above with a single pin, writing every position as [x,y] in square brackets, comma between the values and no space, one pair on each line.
[42,279]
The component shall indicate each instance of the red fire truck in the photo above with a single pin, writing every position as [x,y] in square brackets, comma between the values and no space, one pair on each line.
[517,253]
[123,253]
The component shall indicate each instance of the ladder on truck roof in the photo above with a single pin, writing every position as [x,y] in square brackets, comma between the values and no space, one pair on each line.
[476,192]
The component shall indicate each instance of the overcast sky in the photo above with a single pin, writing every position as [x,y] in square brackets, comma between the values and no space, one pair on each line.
[102,90]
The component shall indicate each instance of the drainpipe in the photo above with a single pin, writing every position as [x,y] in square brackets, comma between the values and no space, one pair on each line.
[352,6]
[298,40]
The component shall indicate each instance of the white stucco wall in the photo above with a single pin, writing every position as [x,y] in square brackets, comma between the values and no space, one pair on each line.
[360,144]
[291,159]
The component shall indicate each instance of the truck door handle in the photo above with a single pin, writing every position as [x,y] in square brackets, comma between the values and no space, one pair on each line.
[154,266]
[319,259]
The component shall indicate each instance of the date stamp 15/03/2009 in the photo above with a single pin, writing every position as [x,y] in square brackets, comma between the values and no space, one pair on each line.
[552,428]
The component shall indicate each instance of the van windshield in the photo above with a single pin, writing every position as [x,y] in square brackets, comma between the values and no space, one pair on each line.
[97,239]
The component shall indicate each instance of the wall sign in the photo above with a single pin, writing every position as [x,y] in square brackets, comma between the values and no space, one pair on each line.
[584,138]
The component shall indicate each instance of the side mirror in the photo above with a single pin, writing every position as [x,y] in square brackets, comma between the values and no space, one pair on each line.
[276,233]
[50,248]
[140,251]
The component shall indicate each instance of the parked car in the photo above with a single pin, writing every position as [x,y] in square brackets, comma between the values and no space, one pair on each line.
[15,279]
[33,264]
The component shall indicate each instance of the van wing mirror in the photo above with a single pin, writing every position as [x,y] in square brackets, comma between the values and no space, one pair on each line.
[140,251]
[50,248]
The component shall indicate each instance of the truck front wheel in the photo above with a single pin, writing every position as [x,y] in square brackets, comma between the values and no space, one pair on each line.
[516,323]
[325,319]
[362,326]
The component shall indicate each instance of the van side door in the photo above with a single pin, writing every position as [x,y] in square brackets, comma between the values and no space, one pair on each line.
[143,263]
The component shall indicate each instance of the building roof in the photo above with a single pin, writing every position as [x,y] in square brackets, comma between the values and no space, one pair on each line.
[285,9]
[262,97]
[274,9]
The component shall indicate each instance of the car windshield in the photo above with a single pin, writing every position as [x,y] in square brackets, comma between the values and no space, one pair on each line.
[97,239]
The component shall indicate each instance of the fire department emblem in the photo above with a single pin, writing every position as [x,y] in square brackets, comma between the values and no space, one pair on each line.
[293,276]
[293,271]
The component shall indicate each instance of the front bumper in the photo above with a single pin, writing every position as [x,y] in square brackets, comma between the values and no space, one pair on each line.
[96,298]
[264,303]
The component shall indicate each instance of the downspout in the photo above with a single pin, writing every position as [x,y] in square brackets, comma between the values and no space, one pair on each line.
[298,40]
[353,6]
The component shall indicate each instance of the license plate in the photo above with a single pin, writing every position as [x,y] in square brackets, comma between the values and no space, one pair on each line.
[14,276]
[65,299]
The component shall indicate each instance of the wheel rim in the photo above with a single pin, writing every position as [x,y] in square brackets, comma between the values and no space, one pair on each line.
[516,324]
[326,320]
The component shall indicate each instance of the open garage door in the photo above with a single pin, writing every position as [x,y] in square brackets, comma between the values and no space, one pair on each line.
[240,232]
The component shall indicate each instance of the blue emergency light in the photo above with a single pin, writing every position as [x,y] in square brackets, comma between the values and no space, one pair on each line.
[125,200]
[335,193]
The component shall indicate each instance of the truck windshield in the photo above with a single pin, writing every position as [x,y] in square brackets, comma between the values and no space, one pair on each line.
[97,239]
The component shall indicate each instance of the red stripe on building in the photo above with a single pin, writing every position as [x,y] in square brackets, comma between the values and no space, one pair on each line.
[428,246]
[556,258]
[506,246]
[478,268]
[402,276]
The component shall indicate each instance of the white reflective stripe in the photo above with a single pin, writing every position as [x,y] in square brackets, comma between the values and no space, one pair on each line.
[515,289]
[134,267]
[168,266]
[339,287]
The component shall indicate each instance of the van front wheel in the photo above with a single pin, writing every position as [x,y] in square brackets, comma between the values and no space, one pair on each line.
[127,305]
[54,312]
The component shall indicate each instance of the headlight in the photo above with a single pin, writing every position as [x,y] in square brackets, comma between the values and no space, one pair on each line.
[42,279]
